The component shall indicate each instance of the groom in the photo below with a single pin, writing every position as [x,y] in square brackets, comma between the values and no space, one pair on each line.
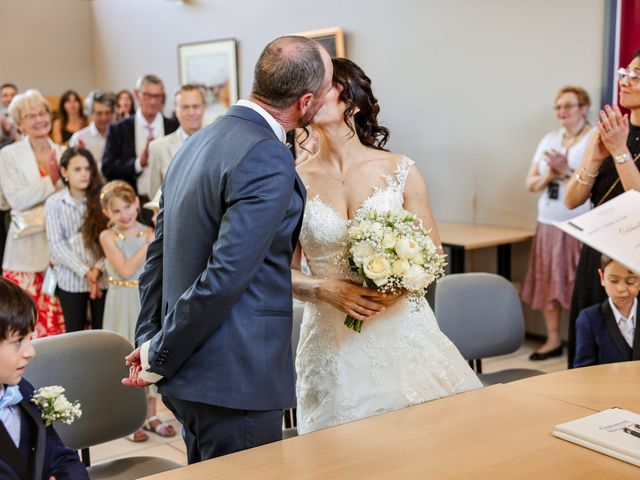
[215,326]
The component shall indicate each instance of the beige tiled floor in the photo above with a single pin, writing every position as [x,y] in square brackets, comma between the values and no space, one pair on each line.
[174,448]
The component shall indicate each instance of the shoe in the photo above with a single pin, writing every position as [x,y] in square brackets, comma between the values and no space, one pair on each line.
[556,352]
[138,436]
[160,428]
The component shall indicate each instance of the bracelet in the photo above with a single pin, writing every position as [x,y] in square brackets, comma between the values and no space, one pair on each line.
[583,182]
[586,172]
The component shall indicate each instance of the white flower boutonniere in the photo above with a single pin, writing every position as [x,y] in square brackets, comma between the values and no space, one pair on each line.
[55,406]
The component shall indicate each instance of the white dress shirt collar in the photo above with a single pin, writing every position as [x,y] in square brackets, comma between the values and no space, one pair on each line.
[620,319]
[275,126]
[183,135]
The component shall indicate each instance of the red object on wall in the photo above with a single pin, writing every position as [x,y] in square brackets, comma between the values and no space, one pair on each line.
[629,31]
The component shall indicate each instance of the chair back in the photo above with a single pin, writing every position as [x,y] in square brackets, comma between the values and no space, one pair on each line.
[90,365]
[480,313]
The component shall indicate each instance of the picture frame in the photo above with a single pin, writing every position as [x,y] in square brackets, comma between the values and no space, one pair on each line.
[212,65]
[332,39]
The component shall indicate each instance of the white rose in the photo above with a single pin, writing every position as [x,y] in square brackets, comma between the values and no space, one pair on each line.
[418,259]
[407,248]
[400,267]
[50,392]
[361,251]
[61,404]
[417,278]
[377,269]
[389,240]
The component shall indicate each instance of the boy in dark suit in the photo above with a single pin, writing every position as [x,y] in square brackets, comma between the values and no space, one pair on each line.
[606,332]
[28,449]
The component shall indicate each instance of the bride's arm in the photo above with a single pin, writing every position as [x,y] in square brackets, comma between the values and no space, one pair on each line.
[359,302]
[416,200]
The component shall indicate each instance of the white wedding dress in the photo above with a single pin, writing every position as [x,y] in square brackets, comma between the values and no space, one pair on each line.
[401,358]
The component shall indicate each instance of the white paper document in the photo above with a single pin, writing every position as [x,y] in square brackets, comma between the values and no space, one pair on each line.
[612,228]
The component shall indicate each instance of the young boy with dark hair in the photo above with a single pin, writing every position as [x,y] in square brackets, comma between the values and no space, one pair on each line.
[606,332]
[28,449]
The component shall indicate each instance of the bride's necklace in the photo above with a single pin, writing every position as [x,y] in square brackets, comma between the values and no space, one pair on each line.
[339,179]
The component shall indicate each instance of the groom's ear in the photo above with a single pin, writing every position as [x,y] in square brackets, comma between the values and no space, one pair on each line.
[304,102]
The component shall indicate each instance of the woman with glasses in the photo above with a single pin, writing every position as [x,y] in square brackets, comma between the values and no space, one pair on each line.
[554,254]
[608,169]
[28,176]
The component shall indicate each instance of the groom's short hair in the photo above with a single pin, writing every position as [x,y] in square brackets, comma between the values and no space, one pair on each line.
[288,68]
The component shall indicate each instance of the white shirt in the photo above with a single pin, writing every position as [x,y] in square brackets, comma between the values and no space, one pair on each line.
[142,131]
[553,210]
[282,136]
[71,259]
[10,417]
[627,329]
[275,126]
[92,140]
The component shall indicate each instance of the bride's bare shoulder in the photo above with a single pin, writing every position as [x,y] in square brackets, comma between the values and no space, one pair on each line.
[386,159]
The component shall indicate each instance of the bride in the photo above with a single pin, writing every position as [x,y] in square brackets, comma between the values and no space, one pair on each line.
[401,358]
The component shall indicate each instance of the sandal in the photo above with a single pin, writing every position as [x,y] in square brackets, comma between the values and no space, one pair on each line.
[138,436]
[157,426]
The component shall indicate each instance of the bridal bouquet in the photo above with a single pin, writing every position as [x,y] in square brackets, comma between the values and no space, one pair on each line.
[55,406]
[392,252]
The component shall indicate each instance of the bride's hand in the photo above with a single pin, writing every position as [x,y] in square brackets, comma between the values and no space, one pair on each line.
[388,299]
[359,302]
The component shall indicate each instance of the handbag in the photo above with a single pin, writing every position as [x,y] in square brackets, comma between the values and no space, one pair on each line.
[27,222]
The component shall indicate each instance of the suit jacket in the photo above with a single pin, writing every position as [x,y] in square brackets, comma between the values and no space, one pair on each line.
[24,188]
[119,158]
[216,290]
[161,152]
[41,453]
[599,340]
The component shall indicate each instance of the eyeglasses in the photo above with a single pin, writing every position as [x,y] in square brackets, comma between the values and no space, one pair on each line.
[33,116]
[566,106]
[631,75]
[153,96]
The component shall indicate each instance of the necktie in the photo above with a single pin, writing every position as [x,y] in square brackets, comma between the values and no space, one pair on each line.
[150,130]
[11,396]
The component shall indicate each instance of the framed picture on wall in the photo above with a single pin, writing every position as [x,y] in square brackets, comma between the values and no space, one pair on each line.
[213,66]
[330,38]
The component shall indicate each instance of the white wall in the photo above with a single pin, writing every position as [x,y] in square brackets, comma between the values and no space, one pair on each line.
[466,87]
[47,45]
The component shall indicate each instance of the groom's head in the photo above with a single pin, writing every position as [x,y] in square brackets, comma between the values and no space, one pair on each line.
[293,76]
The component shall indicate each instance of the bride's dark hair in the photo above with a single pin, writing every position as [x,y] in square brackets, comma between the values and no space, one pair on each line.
[357,94]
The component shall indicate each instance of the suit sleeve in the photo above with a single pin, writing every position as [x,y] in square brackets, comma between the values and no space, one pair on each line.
[257,196]
[116,162]
[150,286]
[586,346]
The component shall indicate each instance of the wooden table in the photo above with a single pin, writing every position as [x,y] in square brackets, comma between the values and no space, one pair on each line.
[498,432]
[460,237]
[598,388]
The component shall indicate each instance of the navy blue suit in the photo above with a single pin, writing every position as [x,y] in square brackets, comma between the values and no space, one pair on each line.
[599,340]
[216,288]
[119,157]
[41,453]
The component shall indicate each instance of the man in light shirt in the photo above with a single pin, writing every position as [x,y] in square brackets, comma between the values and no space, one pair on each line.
[189,100]
[94,137]
[8,130]
[126,153]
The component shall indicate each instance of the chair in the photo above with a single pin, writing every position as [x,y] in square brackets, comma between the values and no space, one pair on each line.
[290,413]
[90,365]
[482,315]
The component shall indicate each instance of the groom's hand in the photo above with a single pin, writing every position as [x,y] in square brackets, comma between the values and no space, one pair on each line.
[135,366]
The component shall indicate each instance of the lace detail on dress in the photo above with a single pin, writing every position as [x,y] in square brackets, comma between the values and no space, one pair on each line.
[401,358]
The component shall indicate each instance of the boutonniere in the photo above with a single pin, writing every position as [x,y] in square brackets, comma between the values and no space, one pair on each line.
[55,406]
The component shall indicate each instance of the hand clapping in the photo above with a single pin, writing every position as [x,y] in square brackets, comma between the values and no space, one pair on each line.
[557,162]
[614,129]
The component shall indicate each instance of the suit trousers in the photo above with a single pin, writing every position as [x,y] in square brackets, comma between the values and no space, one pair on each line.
[210,431]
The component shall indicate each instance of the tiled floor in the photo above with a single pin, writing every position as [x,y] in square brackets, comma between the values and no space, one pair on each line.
[174,448]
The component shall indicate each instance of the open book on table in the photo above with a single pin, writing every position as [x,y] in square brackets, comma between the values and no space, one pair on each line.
[614,432]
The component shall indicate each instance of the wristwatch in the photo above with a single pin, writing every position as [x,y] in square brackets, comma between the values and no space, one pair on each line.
[623,157]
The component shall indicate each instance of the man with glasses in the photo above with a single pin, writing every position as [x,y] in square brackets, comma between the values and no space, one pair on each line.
[126,153]
[94,137]
[189,101]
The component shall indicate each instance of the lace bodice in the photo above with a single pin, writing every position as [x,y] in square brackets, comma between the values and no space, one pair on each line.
[324,231]
[401,358]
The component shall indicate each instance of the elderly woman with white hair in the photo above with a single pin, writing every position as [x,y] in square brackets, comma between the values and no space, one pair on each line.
[28,175]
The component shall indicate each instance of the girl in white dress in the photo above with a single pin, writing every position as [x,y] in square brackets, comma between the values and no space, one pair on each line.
[401,358]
